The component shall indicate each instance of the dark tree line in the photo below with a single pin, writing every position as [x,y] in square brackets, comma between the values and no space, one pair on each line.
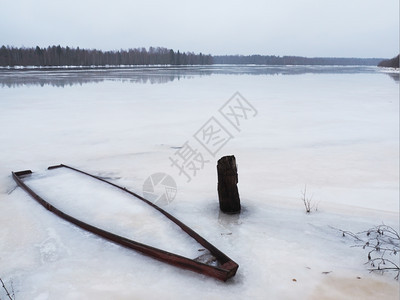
[292,60]
[66,56]
[390,63]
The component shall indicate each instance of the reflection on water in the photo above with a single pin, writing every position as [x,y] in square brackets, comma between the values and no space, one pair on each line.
[69,77]
[227,220]
[395,76]
[157,75]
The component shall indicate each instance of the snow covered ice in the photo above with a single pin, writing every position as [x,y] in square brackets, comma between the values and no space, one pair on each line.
[334,129]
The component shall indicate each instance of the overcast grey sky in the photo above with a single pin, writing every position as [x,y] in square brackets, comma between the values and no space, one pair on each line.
[345,28]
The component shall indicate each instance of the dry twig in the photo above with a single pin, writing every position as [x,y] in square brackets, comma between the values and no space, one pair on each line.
[383,243]
[308,205]
[7,292]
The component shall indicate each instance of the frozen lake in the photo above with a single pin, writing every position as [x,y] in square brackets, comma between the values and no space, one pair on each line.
[333,129]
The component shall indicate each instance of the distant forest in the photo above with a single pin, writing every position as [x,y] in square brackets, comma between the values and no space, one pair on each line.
[390,63]
[293,60]
[66,56]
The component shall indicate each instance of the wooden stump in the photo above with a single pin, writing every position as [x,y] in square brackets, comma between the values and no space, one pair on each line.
[228,194]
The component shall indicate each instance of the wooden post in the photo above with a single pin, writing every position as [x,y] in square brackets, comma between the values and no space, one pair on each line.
[228,194]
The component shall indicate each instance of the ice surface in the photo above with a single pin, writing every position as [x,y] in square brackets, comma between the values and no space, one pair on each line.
[335,130]
[111,209]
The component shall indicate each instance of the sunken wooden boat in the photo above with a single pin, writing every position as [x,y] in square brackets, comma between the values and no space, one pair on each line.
[225,268]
